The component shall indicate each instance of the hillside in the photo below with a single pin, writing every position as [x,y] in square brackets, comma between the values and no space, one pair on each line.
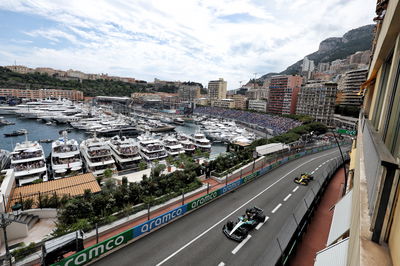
[359,39]
[13,80]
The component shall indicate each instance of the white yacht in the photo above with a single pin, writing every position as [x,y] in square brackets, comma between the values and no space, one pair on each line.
[125,152]
[151,148]
[65,157]
[187,144]
[201,141]
[97,155]
[172,146]
[28,162]
[4,158]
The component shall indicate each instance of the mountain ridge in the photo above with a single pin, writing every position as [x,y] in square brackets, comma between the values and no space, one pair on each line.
[332,48]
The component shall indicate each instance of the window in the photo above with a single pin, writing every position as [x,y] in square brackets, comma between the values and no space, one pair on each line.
[381,91]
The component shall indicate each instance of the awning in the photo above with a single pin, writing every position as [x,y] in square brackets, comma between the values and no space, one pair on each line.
[341,218]
[335,255]
[366,84]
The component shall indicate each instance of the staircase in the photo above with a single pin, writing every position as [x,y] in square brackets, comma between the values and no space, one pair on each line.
[29,219]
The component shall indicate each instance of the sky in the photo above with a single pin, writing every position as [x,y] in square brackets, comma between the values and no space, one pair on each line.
[186,40]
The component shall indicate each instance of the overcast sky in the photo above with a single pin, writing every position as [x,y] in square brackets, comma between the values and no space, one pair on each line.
[197,40]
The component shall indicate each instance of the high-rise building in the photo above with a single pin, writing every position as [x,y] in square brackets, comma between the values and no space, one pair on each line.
[352,81]
[240,101]
[283,91]
[317,99]
[217,89]
[369,220]
[189,92]
[73,95]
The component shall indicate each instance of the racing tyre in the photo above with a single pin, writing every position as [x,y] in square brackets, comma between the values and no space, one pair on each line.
[229,225]
[261,218]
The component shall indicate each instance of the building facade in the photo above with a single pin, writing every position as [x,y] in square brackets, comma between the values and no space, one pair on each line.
[240,101]
[189,92]
[217,89]
[318,100]
[373,233]
[73,95]
[224,103]
[258,105]
[283,92]
[351,95]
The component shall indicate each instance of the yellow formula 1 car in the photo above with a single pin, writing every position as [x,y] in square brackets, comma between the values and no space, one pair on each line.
[304,179]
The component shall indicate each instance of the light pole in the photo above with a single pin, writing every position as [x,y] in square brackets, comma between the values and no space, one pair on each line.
[6,221]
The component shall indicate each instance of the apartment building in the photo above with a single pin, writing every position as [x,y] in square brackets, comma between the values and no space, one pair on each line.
[351,95]
[240,101]
[189,92]
[73,95]
[317,99]
[217,89]
[371,223]
[283,92]
[258,105]
[224,103]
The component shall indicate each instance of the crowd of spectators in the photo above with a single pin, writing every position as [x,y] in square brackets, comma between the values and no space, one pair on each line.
[65,148]
[67,160]
[127,150]
[95,153]
[275,123]
[27,155]
[29,166]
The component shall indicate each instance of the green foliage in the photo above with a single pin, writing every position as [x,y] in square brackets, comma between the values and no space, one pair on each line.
[37,181]
[27,204]
[108,173]
[85,211]
[22,252]
[142,165]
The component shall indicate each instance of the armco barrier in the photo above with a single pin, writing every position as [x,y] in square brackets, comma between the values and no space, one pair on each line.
[97,250]
[105,246]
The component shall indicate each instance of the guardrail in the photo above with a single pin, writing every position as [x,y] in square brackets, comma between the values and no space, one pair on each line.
[108,245]
[281,249]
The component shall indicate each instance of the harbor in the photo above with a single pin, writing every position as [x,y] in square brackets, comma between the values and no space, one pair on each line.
[53,139]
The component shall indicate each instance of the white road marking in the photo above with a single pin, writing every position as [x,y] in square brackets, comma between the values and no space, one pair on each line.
[261,224]
[221,263]
[296,188]
[276,208]
[287,197]
[241,244]
[312,172]
[241,206]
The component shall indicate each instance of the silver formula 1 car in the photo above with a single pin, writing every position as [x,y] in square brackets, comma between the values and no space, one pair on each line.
[239,231]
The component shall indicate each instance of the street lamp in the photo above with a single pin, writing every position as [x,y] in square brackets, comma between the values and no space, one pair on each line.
[5,221]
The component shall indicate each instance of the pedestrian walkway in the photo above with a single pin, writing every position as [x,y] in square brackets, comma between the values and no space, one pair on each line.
[317,233]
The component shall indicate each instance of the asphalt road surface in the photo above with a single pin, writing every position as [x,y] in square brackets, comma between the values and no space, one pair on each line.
[197,238]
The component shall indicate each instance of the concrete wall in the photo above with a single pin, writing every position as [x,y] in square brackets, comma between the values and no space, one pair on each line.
[14,231]
[6,187]
[42,213]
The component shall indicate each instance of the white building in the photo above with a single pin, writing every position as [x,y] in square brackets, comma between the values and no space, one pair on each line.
[258,105]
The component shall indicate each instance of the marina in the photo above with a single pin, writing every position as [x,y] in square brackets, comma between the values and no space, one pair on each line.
[53,139]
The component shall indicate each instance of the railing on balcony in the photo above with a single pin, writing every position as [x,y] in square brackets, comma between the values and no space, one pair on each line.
[380,168]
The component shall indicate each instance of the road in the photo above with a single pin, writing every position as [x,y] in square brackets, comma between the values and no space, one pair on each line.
[197,238]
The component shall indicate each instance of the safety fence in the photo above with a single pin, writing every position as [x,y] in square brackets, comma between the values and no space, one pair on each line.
[283,247]
[107,245]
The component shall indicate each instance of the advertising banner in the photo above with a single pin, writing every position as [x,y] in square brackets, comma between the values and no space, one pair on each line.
[95,251]
[202,200]
[159,220]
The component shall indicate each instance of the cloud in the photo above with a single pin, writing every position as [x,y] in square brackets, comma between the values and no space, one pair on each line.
[196,40]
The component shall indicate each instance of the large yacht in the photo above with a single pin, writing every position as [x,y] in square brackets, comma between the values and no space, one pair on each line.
[65,157]
[151,148]
[201,141]
[172,146]
[187,144]
[97,155]
[125,152]
[28,162]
